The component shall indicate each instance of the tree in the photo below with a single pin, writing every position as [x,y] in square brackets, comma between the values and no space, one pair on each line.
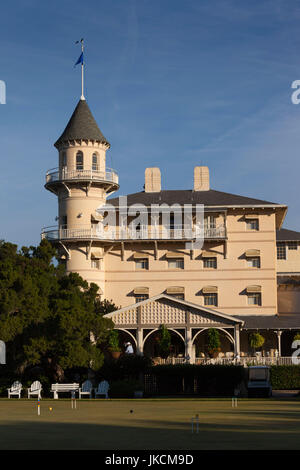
[47,317]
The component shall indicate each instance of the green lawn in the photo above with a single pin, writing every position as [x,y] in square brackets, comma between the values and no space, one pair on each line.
[154,424]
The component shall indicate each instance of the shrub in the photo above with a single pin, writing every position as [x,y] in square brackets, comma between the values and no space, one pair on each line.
[285,377]
[113,341]
[124,388]
[214,343]
[256,341]
[164,341]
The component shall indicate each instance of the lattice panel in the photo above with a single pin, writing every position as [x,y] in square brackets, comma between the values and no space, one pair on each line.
[161,312]
[128,317]
[200,319]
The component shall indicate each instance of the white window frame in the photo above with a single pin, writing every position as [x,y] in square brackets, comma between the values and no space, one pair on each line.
[95,263]
[212,295]
[256,296]
[179,263]
[212,261]
[249,227]
[281,245]
[253,259]
[141,297]
[144,264]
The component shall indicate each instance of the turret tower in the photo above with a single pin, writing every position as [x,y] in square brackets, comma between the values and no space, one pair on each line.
[81,183]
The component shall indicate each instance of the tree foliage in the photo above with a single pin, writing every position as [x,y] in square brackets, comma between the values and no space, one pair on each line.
[48,318]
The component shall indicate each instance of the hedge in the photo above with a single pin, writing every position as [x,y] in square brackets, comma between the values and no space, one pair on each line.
[188,379]
[285,377]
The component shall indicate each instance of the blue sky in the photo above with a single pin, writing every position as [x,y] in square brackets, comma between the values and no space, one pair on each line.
[171,83]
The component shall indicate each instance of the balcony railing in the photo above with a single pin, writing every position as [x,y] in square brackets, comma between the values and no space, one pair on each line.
[55,175]
[125,233]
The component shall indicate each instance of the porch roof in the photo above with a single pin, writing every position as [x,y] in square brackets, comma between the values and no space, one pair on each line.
[170,311]
[271,322]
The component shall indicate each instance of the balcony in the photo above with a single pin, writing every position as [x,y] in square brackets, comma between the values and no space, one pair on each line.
[90,232]
[55,176]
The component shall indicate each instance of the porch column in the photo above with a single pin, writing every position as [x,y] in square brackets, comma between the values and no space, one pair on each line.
[139,342]
[237,348]
[279,333]
[189,346]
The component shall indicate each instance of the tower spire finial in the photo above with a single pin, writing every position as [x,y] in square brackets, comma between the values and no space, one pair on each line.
[81,61]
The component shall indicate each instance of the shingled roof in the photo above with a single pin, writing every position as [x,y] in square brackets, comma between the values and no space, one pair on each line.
[208,198]
[81,126]
[287,235]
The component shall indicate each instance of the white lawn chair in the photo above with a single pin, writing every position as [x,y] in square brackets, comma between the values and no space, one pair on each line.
[86,389]
[35,390]
[15,389]
[103,388]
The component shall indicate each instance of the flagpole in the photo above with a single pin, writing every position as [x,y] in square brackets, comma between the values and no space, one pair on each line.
[82,73]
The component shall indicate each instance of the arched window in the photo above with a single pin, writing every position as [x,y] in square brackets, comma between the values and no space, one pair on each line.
[95,162]
[79,161]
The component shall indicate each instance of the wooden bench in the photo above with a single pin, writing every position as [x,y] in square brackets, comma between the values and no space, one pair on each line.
[63,388]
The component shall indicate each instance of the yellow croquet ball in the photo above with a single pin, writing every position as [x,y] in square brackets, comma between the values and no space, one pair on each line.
[50,409]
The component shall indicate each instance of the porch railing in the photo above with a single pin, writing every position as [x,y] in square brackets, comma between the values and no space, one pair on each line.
[248,361]
[244,361]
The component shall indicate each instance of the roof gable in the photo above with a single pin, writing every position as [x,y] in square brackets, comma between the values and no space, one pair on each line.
[167,310]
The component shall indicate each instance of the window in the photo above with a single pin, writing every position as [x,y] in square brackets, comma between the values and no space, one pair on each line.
[142,263]
[292,245]
[281,250]
[210,221]
[211,299]
[254,299]
[252,224]
[253,262]
[64,221]
[95,263]
[210,263]
[79,161]
[177,296]
[141,297]
[95,162]
[64,160]
[176,263]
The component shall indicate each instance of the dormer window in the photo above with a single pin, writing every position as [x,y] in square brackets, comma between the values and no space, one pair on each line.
[79,161]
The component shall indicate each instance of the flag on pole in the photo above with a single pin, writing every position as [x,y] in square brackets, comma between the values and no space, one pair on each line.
[80,60]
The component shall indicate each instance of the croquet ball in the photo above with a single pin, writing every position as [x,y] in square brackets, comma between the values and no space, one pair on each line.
[131,411]
[50,408]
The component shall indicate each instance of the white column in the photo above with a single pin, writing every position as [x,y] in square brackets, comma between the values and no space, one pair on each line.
[237,347]
[189,346]
[279,333]
[139,338]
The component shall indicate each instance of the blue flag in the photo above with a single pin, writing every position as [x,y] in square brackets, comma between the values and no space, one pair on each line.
[80,60]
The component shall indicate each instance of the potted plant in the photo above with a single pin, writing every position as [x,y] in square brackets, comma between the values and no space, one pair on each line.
[214,342]
[256,341]
[114,345]
[164,342]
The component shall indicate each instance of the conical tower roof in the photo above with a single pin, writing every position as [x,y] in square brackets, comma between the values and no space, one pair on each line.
[81,126]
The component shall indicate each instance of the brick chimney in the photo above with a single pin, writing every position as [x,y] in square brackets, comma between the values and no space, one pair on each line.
[152,180]
[201,178]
